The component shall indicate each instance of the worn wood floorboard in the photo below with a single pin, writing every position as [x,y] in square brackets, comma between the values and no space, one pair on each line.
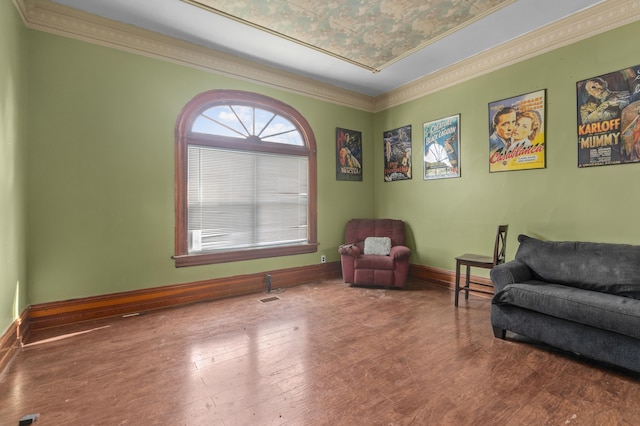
[323,354]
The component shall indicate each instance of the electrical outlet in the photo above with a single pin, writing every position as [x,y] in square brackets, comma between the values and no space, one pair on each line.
[323,259]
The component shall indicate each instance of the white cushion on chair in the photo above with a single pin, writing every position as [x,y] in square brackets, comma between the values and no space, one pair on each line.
[377,245]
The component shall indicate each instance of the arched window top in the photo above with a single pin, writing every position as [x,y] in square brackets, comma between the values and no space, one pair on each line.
[247,122]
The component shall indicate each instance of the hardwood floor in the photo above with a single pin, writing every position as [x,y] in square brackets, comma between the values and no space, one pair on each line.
[322,354]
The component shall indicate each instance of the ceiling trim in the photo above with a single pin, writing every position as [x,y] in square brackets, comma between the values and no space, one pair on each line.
[598,19]
[447,33]
[45,15]
[206,5]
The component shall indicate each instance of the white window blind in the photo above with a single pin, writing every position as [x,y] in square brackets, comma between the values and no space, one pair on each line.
[242,199]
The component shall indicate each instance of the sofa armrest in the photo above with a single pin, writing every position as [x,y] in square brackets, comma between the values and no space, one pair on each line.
[349,250]
[399,252]
[510,272]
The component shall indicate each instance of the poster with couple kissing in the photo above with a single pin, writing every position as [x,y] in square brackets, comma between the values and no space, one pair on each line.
[517,133]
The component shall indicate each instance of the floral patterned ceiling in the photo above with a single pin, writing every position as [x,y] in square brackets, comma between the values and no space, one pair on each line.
[369,33]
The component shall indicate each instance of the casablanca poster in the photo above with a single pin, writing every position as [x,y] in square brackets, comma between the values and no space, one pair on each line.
[609,118]
[397,154]
[442,148]
[348,155]
[517,133]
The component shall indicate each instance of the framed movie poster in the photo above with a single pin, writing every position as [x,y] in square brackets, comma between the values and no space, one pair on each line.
[442,148]
[348,155]
[517,133]
[608,118]
[397,154]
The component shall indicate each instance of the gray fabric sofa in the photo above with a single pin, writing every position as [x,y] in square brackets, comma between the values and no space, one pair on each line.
[576,296]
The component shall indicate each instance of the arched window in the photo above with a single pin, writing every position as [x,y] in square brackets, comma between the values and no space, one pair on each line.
[245,179]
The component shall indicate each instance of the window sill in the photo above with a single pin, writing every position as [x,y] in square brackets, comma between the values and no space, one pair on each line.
[234,256]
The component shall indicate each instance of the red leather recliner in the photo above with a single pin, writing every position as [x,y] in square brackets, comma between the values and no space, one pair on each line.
[375,270]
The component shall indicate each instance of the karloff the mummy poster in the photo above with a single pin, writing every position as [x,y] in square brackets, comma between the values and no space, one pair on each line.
[609,118]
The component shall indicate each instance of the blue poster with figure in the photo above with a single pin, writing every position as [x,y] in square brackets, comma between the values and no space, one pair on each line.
[397,154]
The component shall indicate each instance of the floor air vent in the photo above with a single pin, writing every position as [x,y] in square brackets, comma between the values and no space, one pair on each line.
[269,299]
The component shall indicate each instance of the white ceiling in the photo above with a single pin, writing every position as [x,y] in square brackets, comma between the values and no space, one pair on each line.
[181,20]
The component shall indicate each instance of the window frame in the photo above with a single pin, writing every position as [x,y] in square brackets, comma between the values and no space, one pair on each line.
[183,137]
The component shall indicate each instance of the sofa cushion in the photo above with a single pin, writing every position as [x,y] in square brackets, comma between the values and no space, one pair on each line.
[605,311]
[603,267]
[377,245]
[373,261]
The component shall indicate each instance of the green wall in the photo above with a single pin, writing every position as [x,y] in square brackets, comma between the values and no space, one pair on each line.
[13,138]
[453,216]
[101,170]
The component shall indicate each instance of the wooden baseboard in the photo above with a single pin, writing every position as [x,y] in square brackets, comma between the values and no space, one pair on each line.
[76,310]
[11,340]
[442,276]
[53,314]
[433,275]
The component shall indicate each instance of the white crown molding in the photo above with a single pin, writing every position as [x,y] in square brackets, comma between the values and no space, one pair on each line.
[603,17]
[45,15]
